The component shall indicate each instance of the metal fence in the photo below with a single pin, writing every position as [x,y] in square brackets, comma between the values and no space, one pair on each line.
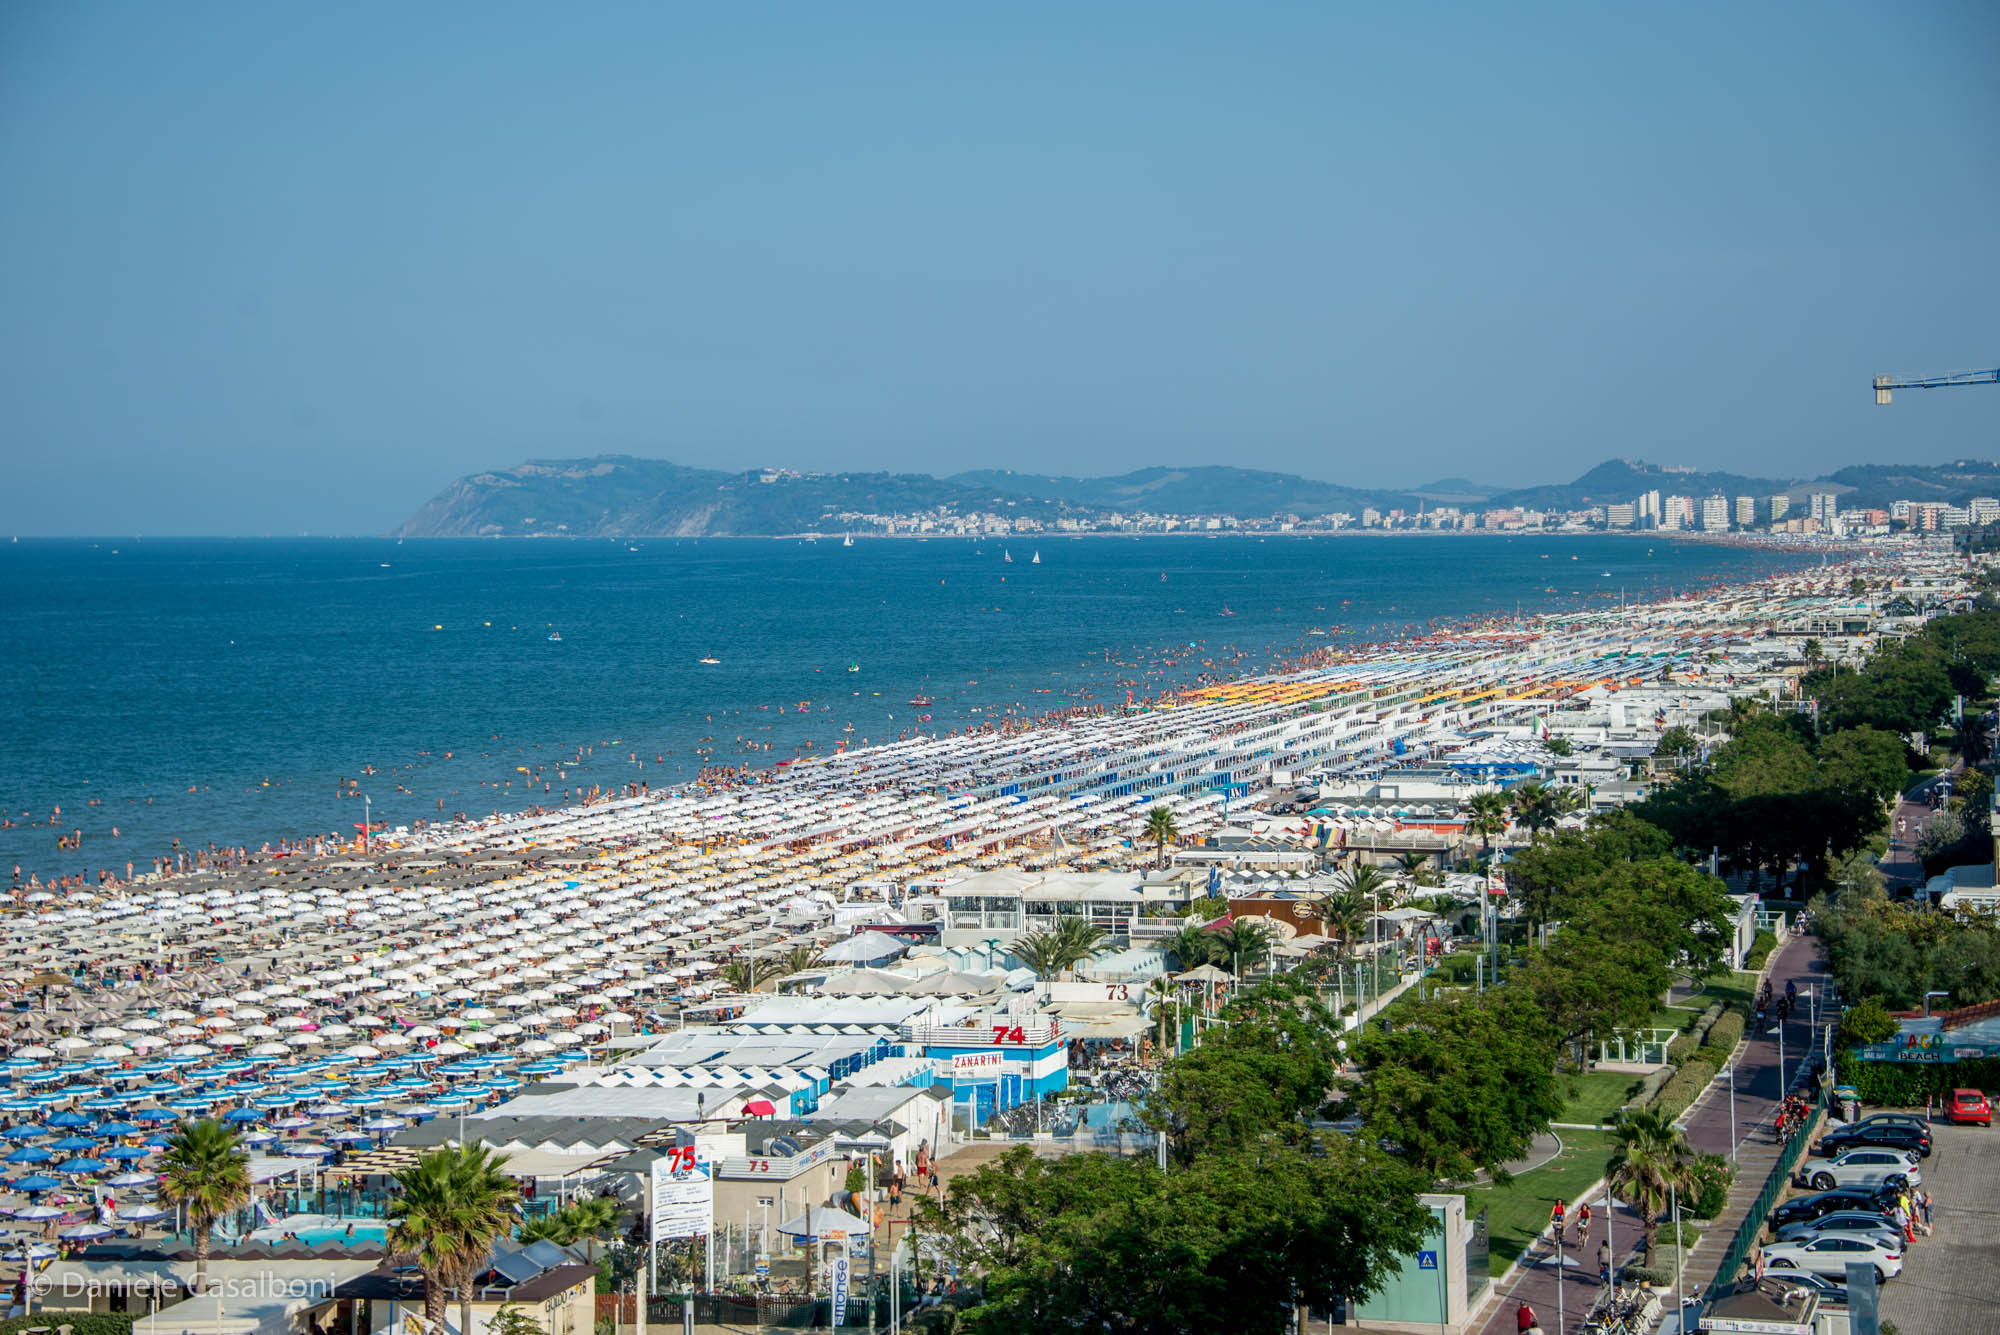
[1774,1185]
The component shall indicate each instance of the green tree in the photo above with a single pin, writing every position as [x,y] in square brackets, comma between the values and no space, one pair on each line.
[1230,1242]
[204,1170]
[1652,1162]
[1865,760]
[511,1320]
[1344,914]
[590,1217]
[1677,744]
[1041,951]
[1866,1021]
[747,974]
[1558,746]
[455,1202]
[1080,941]
[1460,1084]
[1244,944]
[1162,830]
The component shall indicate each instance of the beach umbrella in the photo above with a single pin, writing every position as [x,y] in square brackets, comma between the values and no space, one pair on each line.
[824,1222]
[154,1115]
[30,1154]
[85,1232]
[71,1144]
[134,1178]
[69,1119]
[122,1152]
[240,1115]
[80,1166]
[25,1131]
[115,1129]
[39,1212]
[36,1182]
[38,1250]
[140,1213]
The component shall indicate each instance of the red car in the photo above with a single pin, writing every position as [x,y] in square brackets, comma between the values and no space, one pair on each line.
[1969,1107]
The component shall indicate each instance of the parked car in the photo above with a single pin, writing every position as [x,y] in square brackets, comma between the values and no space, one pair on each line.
[1969,1107]
[1917,1120]
[1832,1292]
[1893,1135]
[1831,1254]
[1875,1200]
[1863,1166]
[1857,1223]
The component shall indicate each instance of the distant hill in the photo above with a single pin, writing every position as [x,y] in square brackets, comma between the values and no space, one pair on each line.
[1619,480]
[624,496]
[1191,491]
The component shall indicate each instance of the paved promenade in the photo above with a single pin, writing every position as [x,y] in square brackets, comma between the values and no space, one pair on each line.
[1759,1086]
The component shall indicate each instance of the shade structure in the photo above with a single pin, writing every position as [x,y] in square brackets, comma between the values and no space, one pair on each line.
[759,1108]
[825,1222]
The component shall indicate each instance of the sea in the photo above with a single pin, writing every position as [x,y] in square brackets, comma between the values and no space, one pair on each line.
[236,692]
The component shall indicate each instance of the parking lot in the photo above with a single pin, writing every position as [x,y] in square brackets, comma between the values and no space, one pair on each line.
[1947,1286]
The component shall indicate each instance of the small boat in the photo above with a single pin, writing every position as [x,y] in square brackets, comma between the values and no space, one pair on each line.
[1605,574]
[555,637]
[1225,611]
[385,565]
[1035,560]
[847,541]
[1006,556]
[921,700]
[709,659]
[854,667]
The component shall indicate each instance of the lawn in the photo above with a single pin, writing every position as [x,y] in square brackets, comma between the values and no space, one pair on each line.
[1597,1096]
[1519,1211]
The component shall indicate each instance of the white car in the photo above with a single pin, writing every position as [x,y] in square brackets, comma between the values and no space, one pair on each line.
[1831,1253]
[1863,1166]
[1856,1223]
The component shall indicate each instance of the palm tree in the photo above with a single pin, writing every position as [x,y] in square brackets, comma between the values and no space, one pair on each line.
[1160,828]
[1163,994]
[455,1202]
[589,1217]
[1486,816]
[204,1169]
[1041,951]
[1539,806]
[1244,943]
[797,960]
[1080,940]
[547,1228]
[746,975]
[1652,1162]
[1193,947]
[1344,913]
[1417,866]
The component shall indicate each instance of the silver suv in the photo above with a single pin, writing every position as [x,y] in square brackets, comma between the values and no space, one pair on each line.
[1863,1166]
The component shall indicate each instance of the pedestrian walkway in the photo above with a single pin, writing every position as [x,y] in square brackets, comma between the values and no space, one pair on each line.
[1563,1297]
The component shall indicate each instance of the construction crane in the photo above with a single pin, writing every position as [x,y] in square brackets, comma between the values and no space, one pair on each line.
[1885,383]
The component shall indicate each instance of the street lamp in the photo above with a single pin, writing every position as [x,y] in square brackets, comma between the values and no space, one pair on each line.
[1730,1072]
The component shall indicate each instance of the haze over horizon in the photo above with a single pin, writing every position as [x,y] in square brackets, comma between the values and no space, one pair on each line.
[291,269]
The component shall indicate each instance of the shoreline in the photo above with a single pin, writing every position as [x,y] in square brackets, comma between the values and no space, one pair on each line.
[751,778]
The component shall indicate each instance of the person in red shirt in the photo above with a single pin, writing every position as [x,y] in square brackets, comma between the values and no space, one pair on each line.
[1524,1319]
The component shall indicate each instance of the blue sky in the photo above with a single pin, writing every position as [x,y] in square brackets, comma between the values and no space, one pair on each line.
[282,268]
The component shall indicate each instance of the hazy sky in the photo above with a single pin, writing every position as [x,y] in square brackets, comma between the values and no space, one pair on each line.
[276,268]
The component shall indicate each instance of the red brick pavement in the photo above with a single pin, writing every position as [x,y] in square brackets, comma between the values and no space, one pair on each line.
[1759,1087]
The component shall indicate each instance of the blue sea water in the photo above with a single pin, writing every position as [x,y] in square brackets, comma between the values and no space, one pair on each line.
[221,690]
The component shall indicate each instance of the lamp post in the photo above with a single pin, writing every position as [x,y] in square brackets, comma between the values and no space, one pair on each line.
[1730,1073]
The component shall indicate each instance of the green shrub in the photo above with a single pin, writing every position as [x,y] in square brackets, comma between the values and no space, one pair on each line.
[1681,1048]
[83,1323]
[1760,950]
[1716,1057]
[1708,1192]
[1726,1032]
[1649,1088]
[1679,1093]
[1700,1023]
[1646,1274]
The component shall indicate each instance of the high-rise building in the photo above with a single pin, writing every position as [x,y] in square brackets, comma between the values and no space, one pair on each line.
[1715,514]
[1779,506]
[1677,512]
[1824,506]
[1746,512]
[1621,516]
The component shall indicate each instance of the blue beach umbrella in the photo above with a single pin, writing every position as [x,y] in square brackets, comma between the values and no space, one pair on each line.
[158,1140]
[71,1144]
[102,1105]
[25,1131]
[118,1152]
[240,1115]
[36,1182]
[29,1154]
[69,1119]
[154,1115]
[105,1129]
[192,1104]
[80,1166]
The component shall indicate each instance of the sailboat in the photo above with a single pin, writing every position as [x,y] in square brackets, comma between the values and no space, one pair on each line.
[1036,559]
[847,540]
[1006,556]
[709,659]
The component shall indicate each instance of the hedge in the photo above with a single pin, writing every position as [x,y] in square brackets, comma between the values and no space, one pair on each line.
[1760,950]
[1706,1018]
[1726,1032]
[1679,1093]
[1681,1048]
[1649,1088]
[1716,1057]
[1909,1084]
[84,1323]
